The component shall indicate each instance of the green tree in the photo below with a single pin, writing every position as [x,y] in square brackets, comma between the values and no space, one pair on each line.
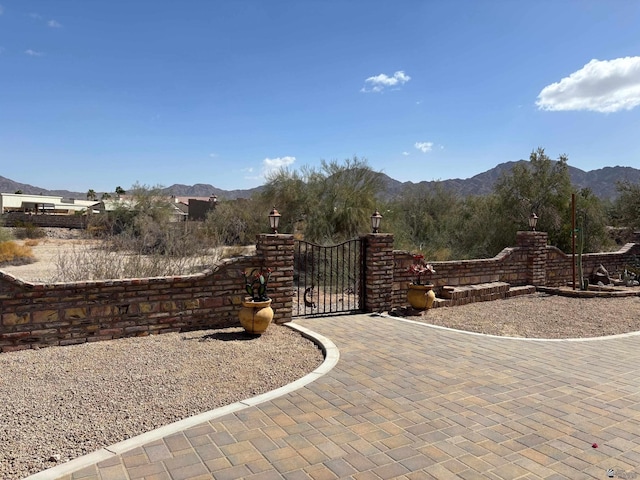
[542,186]
[287,190]
[91,194]
[120,191]
[627,205]
[237,222]
[331,204]
[422,219]
[591,223]
[473,228]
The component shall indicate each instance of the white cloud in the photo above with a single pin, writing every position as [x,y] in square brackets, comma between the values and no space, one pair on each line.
[378,83]
[35,16]
[406,154]
[249,175]
[33,53]
[273,164]
[601,86]
[54,24]
[213,155]
[424,147]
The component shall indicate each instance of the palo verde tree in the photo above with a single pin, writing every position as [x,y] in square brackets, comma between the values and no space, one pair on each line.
[422,220]
[236,222]
[591,222]
[542,186]
[331,204]
[287,190]
[627,206]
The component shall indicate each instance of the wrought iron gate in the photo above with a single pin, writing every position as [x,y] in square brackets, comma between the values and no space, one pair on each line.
[327,279]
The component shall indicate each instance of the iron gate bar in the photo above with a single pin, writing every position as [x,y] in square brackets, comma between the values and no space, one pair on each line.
[328,279]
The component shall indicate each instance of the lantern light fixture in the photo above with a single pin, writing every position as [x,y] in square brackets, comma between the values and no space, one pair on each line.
[375,221]
[274,220]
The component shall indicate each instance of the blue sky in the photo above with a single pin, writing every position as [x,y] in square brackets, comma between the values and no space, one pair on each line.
[101,93]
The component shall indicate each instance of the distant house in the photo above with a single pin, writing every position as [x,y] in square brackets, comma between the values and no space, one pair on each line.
[179,214]
[196,208]
[44,204]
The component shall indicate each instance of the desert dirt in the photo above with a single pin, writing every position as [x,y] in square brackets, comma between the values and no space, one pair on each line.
[46,253]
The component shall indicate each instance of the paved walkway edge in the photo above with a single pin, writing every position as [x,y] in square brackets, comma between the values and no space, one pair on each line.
[331,357]
[504,337]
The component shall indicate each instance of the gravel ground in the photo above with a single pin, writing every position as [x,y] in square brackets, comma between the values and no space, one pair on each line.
[59,403]
[541,316]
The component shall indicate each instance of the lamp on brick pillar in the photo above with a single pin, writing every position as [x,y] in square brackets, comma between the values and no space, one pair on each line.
[274,220]
[533,221]
[376,218]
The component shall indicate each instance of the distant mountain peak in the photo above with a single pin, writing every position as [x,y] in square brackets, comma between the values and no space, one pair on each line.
[602,183]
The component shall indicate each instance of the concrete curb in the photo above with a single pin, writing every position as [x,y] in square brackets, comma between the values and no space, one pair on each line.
[528,339]
[331,358]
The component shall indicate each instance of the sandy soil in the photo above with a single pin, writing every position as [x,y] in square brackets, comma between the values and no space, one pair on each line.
[46,253]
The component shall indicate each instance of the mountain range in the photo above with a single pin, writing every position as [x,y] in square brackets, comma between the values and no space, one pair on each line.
[602,183]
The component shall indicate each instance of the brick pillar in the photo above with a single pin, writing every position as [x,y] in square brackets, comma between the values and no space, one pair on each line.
[277,254]
[535,246]
[378,272]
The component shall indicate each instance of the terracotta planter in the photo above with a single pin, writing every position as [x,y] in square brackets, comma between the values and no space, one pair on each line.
[255,317]
[421,297]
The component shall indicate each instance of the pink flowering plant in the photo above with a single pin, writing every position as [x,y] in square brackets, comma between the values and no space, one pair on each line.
[256,282]
[419,269]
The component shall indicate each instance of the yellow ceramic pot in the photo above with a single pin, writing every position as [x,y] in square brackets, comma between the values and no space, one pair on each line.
[255,317]
[421,297]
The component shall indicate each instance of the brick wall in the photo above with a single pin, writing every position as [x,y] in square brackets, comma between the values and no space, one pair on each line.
[277,254]
[68,313]
[558,265]
[379,270]
[530,262]
[56,221]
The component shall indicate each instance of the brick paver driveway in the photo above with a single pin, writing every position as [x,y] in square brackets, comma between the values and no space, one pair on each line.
[412,401]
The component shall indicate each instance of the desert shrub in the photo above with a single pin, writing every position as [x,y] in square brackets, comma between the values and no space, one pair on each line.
[31,242]
[5,233]
[140,238]
[12,253]
[235,222]
[28,230]
[102,262]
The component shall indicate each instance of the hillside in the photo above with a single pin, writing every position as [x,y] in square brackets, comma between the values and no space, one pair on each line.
[601,181]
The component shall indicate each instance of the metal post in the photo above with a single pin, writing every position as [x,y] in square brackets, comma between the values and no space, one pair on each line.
[573,238]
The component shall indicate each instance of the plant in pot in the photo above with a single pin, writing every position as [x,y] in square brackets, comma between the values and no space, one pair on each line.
[420,295]
[256,312]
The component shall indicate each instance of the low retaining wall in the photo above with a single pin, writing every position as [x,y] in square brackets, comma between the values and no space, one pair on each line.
[54,221]
[509,267]
[69,313]
[34,315]
[530,262]
[559,264]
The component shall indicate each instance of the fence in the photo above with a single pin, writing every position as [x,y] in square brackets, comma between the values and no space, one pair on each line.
[16,219]
[33,315]
[69,313]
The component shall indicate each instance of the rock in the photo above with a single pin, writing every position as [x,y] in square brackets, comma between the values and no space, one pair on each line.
[54,458]
[600,276]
